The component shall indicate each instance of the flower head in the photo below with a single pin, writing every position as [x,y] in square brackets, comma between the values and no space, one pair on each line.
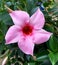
[27,31]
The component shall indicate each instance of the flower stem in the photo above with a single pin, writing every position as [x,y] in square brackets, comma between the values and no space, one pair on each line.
[9,10]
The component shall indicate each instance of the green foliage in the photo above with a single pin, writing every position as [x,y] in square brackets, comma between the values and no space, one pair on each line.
[53,43]
[47,53]
[53,57]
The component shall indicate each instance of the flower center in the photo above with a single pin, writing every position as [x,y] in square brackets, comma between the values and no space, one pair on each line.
[27,29]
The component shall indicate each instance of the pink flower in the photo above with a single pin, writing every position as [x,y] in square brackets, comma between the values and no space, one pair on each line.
[27,31]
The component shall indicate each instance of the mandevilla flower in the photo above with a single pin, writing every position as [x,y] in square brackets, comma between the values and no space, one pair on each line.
[27,31]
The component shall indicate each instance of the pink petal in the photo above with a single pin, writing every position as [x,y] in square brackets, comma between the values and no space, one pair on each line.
[26,45]
[41,36]
[12,34]
[37,19]
[19,17]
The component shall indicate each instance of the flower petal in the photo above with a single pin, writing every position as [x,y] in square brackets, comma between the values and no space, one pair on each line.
[41,36]
[12,34]
[26,45]
[19,17]
[37,19]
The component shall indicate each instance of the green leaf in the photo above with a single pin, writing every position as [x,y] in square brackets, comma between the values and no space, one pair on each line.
[3,27]
[49,27]
[53,57]
[33,63]
[54,9]
[4,16]
[53,43]
[1,36]
[42,58]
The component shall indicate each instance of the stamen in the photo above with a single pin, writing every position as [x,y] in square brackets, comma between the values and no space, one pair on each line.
[27,29]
